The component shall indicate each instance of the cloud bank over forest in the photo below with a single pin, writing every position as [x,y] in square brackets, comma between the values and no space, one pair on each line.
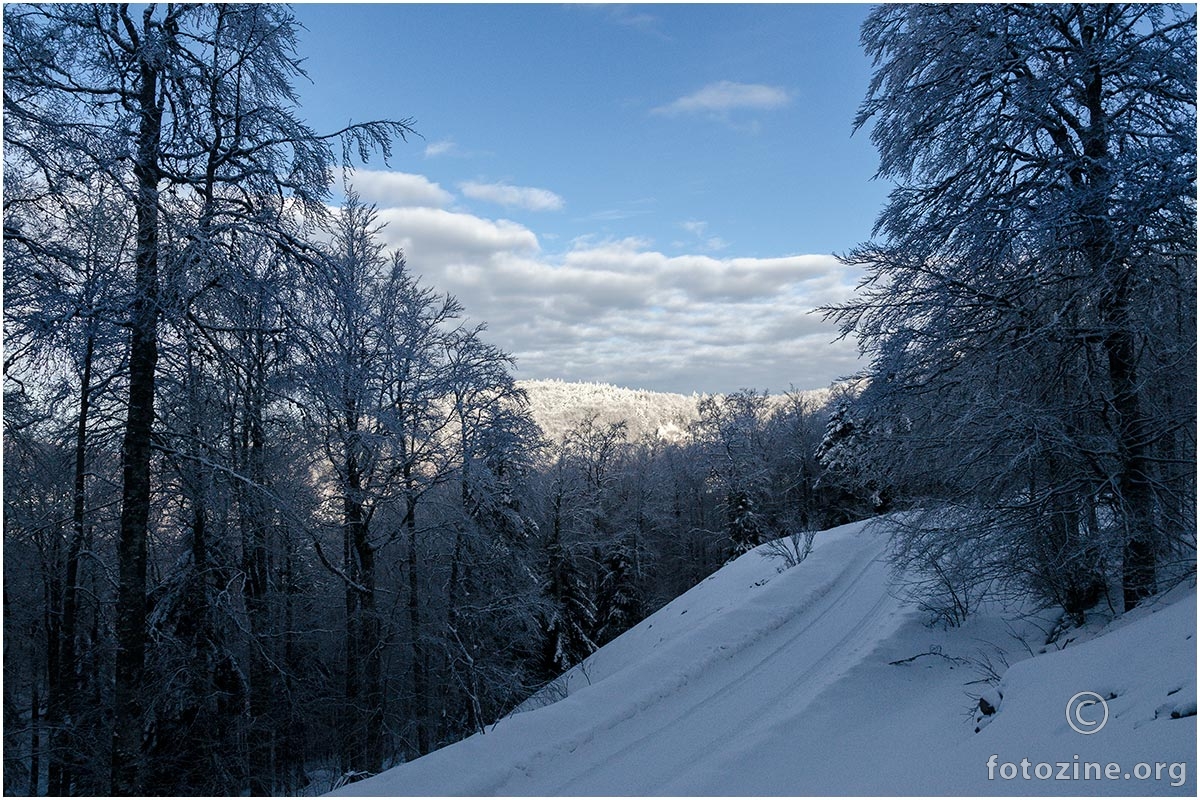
[620,310]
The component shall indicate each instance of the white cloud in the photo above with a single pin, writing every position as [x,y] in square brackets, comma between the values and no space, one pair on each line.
[618,310]
[724,96]
[624,313]
[398,189]
[627,15]
[527,197]
[444,147]
[437,238]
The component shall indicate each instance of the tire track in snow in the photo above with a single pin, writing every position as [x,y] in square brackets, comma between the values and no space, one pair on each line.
[744,697]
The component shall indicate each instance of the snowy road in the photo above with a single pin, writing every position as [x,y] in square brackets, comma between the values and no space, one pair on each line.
[775,675]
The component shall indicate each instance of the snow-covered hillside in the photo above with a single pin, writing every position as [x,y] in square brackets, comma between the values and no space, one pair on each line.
[557,405]
[821,679]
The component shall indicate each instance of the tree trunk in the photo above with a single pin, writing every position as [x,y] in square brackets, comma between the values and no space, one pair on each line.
[351,517]
[256,588]
[289,764]
[1134,483]
[371,657]
[466,675]
[35,741]
[136,449]
[420,687]
[1108,262]
[364,652]
[457,570]
[53,631]
[61,700]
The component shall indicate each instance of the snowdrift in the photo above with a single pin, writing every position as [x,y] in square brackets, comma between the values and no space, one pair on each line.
[821,679]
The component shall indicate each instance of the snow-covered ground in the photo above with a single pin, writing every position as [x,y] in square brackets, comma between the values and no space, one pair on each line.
[766,682]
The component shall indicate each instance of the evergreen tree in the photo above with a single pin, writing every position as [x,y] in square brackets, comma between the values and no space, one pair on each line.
[618,599]
[571,617]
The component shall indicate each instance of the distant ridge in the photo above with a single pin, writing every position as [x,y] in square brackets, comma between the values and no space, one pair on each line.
[557,405]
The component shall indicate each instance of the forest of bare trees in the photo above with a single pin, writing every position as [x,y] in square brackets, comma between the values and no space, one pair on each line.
[277,515]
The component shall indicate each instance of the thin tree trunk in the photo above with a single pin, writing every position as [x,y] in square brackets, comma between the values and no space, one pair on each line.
[452,592]
[53,631]
[35,742]
[292,752]
[351,518]
[61,701]
[364,653]
[370,657]
[256,590]
[420,684]
[459,573]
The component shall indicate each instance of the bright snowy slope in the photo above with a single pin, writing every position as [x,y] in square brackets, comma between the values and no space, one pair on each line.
[557,406]
[761,682]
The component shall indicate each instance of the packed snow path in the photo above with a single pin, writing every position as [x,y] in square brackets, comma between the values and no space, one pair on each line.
[744,692]
[819,680]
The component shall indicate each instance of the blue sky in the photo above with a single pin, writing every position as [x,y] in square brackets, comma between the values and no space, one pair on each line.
[646,195]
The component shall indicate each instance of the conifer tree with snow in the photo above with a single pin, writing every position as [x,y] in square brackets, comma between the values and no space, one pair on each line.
[618,599]
[570,616]
[1029,305]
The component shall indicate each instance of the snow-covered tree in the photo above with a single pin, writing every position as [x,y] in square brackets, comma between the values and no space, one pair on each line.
[64,259]
[731,437]
[370,377]
[1044,158]
[570,616]
[576,496]
[618,597]
[191,110]
[490,587]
